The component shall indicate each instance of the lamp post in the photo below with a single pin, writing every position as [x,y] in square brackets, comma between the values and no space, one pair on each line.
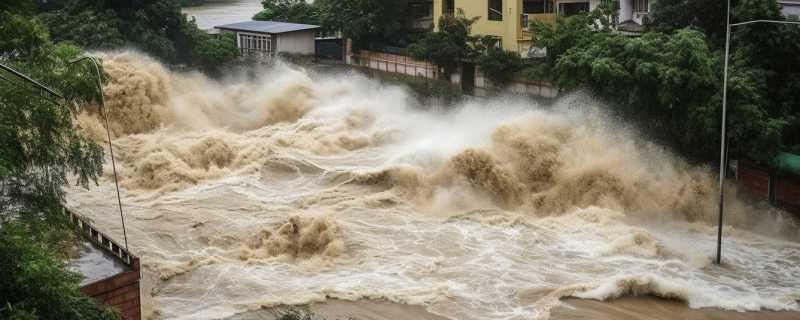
[99,83]
[722,151]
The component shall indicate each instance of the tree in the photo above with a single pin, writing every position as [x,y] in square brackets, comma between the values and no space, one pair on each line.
[212,52]
[86,28]
[364,21]
[35,285]
[295,11]
[39,146]
[38,143]
[498,65]
[708,16]
[448,46]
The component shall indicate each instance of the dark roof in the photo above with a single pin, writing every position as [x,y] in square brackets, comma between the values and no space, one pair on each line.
[267,26]
[788,162]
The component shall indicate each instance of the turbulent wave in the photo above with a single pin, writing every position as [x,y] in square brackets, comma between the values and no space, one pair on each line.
[299,238]
[291,186]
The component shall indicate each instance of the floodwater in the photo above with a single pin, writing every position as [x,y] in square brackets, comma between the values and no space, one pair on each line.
[294,187]
[219,12]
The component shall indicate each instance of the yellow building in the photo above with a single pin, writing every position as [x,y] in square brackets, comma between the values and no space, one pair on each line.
[508,20]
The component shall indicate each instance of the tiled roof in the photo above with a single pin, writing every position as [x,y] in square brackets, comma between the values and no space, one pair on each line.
[267,26]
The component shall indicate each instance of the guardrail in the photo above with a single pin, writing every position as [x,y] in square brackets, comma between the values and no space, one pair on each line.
[120,291]
[98,238]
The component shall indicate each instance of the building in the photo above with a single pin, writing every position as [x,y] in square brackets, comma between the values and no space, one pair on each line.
[266,38]
[111,274]
[790,7]
[509,20]
[633,15]
[421,12]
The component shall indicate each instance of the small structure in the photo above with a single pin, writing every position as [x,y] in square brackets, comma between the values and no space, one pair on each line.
[779,184]
[790,7]
[111,273]
[267,38]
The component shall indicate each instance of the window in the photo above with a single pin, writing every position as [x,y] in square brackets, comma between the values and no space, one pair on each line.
[422,10]
[496,10]
[573,8]
[537,6]
[449,8]
[253,43]
[642,6]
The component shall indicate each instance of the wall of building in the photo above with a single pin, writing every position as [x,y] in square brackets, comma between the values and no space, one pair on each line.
[394,63]
[120,291]
[509,29]
[790,7]
[299,42]
[405,65]
[780,190]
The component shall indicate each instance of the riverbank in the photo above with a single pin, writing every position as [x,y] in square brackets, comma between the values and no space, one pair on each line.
[628,308]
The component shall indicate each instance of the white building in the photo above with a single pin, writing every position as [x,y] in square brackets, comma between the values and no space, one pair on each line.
[790,7]
[266,38]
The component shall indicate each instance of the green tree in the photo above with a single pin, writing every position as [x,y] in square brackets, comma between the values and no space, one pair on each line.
[295,11]
[38,143]
[364,21]
[498,65]
[707,16]
[447,47]
[85,28]
[35,285]
[39,146]
[213,52]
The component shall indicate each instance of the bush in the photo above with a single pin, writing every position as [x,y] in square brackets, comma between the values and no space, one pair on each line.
[36,285]
[496,64]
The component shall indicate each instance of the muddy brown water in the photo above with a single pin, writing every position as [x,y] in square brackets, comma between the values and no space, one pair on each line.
[294,188]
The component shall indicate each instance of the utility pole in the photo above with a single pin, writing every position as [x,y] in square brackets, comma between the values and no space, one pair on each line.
[723,140]
[99,82]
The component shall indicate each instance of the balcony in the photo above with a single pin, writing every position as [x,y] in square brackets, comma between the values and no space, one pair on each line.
[421,24]
[527,18]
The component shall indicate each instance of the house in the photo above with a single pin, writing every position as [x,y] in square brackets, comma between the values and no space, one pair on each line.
[421,15]
[633,15]
[790,7]
[509,20]
[266,38]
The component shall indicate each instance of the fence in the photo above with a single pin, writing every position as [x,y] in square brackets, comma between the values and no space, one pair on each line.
[396,63]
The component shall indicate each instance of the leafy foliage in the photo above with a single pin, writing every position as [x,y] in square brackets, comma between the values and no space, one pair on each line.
[447,47]
[707,16]
[35,285]
[498,65]
[366,22]
[671,79]
[39,146]
[154,26]
[38,143]
[295,11]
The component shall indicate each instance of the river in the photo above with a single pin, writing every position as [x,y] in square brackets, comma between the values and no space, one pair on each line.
[219,12]
[293,187]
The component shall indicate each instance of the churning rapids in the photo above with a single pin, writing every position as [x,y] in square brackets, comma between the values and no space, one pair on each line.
[294,187]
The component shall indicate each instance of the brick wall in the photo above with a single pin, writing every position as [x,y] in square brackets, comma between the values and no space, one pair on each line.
[120,291]
[753,180]
[787,193]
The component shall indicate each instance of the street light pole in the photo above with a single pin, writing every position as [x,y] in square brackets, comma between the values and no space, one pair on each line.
[103,110]
[723,140]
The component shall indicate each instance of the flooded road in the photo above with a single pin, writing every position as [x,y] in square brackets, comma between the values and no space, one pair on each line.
[291,187]
[219,12]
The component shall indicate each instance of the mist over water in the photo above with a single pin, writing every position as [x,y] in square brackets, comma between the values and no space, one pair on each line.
[293,187]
